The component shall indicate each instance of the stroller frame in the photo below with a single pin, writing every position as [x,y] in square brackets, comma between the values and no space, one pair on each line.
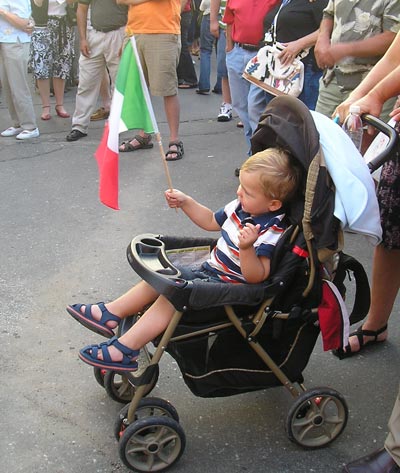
[148,430]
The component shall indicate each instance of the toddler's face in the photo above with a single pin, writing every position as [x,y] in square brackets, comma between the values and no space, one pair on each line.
[252,197]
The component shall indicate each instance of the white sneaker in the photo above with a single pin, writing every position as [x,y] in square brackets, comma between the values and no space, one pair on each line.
[28,134]
[12,131]
[225,113]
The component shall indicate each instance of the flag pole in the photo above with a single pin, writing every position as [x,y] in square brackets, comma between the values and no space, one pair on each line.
[165,164]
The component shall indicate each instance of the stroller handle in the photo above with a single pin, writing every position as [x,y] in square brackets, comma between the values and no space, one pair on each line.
[146,255]
[387,130]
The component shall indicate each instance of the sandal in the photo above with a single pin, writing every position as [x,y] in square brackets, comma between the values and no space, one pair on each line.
[144,143]
[360,333]
[45,116]
[174,154]
[61,114]
[87,320]
[187,85]
[129,357]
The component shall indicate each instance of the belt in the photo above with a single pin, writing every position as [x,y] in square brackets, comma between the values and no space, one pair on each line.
[248,47]
[107,30]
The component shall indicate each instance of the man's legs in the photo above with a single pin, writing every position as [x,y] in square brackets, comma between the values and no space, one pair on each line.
[236,61]
[206,46]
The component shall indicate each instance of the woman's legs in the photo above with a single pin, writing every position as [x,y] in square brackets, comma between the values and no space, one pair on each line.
[59,87]
[44,91]
[384,289]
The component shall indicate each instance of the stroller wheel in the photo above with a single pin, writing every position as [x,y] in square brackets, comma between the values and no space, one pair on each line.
[148,407]
[317,417]
[122,387]
[99,375]
[152,444]
[118,387]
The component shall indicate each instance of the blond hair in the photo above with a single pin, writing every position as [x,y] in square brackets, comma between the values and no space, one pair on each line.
[279,173]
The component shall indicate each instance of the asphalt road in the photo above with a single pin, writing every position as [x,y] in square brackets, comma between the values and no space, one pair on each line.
[59,245]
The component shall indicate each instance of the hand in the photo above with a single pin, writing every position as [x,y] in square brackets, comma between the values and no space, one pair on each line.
[248,235]
[175,199]
[289,53]
[84,47]
[395,114]
[214,28]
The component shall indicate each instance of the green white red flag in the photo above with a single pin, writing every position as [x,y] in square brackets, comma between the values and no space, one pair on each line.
[131,109]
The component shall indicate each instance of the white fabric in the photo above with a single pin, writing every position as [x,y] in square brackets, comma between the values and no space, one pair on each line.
[356,205]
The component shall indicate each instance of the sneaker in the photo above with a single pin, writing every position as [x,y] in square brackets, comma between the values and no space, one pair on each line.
[28,134]
[100,114]
[75,135]
[12,131]
[225,113]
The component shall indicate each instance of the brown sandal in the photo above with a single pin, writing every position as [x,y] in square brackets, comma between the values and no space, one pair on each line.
[174,154]
[144,143]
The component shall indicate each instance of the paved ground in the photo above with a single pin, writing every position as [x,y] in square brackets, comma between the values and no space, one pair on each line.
[59,245]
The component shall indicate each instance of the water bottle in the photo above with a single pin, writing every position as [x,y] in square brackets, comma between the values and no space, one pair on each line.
[353,126]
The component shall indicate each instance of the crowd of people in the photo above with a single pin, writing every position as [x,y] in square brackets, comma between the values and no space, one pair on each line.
[353,57]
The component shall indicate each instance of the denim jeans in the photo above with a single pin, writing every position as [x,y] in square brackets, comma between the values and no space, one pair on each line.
[236,61]
[259,99]
[207,41]
[221,55]
[186,71]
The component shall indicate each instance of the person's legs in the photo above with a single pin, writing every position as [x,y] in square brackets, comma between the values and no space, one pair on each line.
[186,71]
[258,100]
[236,61]
[59,87]
[130,303]
[384,289]
[309,94]
[14,67]
[392,442]
[206,46]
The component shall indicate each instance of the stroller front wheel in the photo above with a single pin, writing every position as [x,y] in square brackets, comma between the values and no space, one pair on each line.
[152,444]
[317,417]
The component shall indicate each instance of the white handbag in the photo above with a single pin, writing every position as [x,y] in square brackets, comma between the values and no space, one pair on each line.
[266,71]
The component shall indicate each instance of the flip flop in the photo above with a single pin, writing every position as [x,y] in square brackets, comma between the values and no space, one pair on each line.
[186,85]
[87,320]
[129,357]
[179,152]
[144,143]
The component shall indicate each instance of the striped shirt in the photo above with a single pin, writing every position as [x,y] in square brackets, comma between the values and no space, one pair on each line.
[224,259]
[221,14]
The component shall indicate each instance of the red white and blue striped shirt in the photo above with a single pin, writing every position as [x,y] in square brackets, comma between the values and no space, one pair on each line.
[224,259]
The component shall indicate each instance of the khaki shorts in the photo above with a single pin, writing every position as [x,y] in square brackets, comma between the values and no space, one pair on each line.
[159,56]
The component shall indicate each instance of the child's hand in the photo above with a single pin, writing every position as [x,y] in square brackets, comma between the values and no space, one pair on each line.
[175,199]
[248,235]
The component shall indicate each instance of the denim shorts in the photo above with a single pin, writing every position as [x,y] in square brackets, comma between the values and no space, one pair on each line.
[198,272]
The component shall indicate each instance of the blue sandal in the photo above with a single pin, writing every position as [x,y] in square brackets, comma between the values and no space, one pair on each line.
[86,319]
[128,363]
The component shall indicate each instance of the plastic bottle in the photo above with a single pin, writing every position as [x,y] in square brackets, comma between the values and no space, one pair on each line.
[353,126]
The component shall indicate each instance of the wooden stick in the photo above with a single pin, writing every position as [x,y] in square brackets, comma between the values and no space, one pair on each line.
[165,164]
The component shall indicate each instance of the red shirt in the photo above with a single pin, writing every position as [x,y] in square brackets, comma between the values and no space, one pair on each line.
[246,18]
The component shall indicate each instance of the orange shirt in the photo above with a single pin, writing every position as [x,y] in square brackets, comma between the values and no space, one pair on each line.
[155,17]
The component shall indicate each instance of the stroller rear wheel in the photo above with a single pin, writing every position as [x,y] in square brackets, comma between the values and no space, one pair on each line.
[152,444]
[317,417]
[99,374]
[148,407]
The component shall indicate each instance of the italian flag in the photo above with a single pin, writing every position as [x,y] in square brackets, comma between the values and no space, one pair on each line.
[131,109]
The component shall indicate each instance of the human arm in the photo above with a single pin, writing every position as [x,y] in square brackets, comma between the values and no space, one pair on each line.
[294,47]
[23,24]
[255,269]
[199,214]
[214,17]
[81,21]
[229,40]
[381,83]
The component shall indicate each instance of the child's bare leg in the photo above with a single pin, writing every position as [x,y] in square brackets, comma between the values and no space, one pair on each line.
[153,322]
[133,301]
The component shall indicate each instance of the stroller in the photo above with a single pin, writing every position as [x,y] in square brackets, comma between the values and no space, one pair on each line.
[235,338]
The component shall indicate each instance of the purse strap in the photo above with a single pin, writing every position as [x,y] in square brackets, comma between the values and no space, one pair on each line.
[304,52]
